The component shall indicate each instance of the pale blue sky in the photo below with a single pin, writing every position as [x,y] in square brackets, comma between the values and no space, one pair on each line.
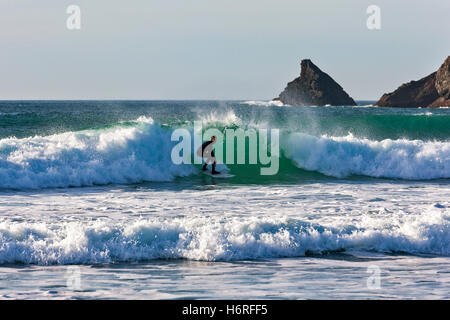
[211,49]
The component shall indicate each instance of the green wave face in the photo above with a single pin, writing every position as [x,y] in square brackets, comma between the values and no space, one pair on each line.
[315,142]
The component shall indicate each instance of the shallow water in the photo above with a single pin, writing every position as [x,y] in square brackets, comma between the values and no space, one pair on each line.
[329,277]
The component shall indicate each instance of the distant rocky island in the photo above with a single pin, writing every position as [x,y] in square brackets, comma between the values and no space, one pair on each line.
[314,88]
[430,92]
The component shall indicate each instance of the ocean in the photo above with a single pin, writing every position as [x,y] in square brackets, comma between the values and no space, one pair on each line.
[93,207]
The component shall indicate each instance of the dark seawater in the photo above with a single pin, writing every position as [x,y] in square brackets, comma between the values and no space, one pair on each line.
[29,118]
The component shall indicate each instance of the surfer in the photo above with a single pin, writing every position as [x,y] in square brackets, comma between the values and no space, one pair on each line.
[206,151]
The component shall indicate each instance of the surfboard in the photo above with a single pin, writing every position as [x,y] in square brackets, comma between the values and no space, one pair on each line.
[221,175]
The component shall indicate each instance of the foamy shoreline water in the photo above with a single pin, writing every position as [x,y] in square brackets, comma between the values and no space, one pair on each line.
[252,237]
[402,277]
[223,224]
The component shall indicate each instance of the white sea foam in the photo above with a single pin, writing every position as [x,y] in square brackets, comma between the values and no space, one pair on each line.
[270,103]
[144,119]
[117,155]
[216,238]
[349,155]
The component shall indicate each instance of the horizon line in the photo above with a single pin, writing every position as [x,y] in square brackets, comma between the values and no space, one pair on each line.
[123,99]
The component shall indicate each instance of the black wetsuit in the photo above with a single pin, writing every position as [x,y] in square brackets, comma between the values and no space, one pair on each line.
[204,145]
[212,155]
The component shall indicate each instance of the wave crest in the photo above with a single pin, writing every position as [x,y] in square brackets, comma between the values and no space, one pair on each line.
[217,239]
[271,103]
[85,158]
[344,156]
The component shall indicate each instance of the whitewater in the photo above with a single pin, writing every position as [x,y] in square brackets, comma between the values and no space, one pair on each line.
[140,151]
[91,186]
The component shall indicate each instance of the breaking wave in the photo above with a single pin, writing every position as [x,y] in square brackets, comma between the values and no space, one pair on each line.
[271,103]
[140,150]
[349,155]
[217,239]
[123,154]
